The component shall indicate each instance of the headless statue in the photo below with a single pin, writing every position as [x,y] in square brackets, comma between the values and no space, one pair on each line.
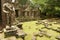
[9,10]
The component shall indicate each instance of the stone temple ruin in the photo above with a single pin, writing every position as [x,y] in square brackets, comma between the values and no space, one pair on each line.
[23,11]
[26,11]
[9,11]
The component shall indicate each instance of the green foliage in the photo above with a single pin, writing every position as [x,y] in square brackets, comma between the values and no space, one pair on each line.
[39,1]
[22,2]
[49,8]
[54,2]
[55,7]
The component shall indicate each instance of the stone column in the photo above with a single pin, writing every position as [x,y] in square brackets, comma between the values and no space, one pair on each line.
[3,24]
[32,14]
[25,13]
[18,13]
[29,14]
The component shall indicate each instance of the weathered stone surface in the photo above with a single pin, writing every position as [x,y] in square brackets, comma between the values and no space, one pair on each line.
[36,34]
[46,24]
[40,34]
[11,38]
[58,37]
[1,35]
[10,31]
[4,39]
[48,35]
[21,33]
[42,31]
[20,26]
[34,38]
[39,22]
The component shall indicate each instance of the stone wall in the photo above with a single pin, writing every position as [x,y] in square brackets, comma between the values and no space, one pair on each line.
[2,18]
[3,23]
[28,14]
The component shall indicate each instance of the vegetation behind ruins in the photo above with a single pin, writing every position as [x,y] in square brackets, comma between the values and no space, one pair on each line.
[47,8]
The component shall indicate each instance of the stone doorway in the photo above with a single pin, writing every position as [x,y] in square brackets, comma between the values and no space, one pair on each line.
[16,13]
[0,13]
[0,16]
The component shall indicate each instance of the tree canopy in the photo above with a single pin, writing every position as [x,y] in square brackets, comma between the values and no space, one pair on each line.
[48,7]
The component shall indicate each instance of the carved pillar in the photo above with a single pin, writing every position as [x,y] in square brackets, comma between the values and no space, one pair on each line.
[25,13]
[29,13]
[3,23]
[32,14]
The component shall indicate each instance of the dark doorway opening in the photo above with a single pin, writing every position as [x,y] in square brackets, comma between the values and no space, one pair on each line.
[1,26]
[16,13]
[0,13]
